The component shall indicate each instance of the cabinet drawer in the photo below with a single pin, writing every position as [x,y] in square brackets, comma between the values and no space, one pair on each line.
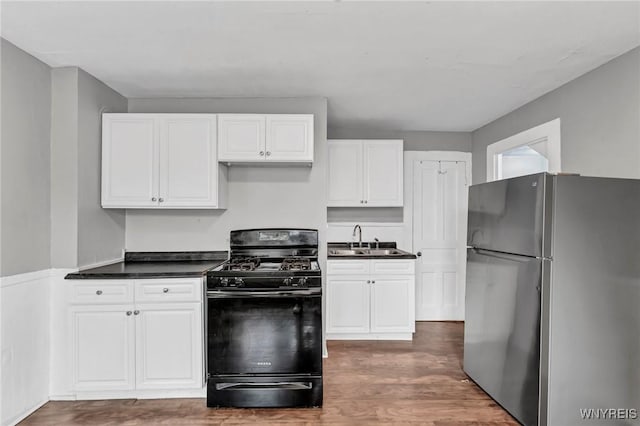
[101,291]
[169,290]
[399,266]
[347,266]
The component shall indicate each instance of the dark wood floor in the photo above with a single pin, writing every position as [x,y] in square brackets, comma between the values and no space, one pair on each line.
[418,382]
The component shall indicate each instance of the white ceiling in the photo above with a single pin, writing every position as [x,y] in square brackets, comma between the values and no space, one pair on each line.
[403,66]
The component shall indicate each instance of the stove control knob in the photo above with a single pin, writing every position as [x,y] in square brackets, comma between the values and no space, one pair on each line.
[287,282]
[224,282]
[302,282]
[239,282]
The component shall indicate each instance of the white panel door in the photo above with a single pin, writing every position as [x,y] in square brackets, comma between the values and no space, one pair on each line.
[383,173]
[289,137]
[103,347]
[188,164]
[392,304]
[347,304]
[439,226]
[169,346]
[241,137]
[345,173]
[129,160]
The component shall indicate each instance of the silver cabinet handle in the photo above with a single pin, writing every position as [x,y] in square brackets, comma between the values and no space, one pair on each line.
[268,153]
[98,292]
[153,198]
[129,313]
[136,312]
[161,200]
[165,290]
[261,153]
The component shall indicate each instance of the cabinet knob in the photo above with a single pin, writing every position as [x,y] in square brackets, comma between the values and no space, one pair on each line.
[361,201]
[419,254]
[268,153]
[136,312]
[98,292]
[368,281]
[261,153]
[161,200]
[153,198]
[373,282]
[365,201]
[165,290]
[129,313]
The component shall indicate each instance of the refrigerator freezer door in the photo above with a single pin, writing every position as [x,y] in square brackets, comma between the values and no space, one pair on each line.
[502,329]
[594,360]
[509,215]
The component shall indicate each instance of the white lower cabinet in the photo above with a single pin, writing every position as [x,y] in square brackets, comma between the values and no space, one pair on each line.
[169,346]
[103,341]
[148,343]
[370,305]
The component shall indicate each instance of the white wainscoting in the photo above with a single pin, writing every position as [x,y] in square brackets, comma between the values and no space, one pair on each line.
[24,344]
[343,232]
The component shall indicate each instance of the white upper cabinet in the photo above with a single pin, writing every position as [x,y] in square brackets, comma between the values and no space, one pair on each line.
[365,173]
[241,137]
[345,173]
[383,173]
[129,160]
[161,161]
[276,138]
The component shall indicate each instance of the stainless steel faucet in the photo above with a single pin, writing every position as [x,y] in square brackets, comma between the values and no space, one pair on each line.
[359,229]
[377,243]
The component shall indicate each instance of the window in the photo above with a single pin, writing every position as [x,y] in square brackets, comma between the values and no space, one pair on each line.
[532,151]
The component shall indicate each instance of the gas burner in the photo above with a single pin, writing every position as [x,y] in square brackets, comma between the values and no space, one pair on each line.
[242,264]
[295,264]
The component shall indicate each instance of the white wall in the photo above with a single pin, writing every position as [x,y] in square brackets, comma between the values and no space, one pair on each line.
[259,196]
[600,115]
[25,344]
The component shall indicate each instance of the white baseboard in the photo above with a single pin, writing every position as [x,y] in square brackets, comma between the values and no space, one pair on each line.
[370,336]
[25,414]
[142,394]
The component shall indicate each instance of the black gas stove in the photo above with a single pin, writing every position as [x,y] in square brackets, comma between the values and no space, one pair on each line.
[264,321]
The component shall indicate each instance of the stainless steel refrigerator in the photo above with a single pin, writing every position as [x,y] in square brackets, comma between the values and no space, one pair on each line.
[552,308]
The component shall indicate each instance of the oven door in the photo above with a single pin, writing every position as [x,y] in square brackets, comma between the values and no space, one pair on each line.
[264,332]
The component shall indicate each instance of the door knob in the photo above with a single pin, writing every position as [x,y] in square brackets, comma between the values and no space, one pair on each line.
[419,254]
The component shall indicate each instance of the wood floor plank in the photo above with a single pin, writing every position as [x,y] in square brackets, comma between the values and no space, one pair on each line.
[365,382]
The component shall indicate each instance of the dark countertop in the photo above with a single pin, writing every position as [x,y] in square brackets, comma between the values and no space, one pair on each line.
[367,244]
[156,265]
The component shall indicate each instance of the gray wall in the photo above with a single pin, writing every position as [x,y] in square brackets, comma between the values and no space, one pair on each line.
[24,174]
[259,196]
[64,167]
[82,233]
[600,121]
[413,141]
[101,232]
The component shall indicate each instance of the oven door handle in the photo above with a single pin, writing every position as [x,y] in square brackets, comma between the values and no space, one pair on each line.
[264,385]
[221,294]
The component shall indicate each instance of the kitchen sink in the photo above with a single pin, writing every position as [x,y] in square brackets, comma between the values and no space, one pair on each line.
[366,252]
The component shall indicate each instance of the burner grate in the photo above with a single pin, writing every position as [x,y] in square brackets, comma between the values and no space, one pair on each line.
[295,264]
[242,264]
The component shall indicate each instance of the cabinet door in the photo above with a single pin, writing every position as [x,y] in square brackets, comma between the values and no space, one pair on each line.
[345,173]
[129,160]
[103,347]
[241,137]
[289,137]
[169,346]
[383,173]
[188,164]
[347,304]
[392,304]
